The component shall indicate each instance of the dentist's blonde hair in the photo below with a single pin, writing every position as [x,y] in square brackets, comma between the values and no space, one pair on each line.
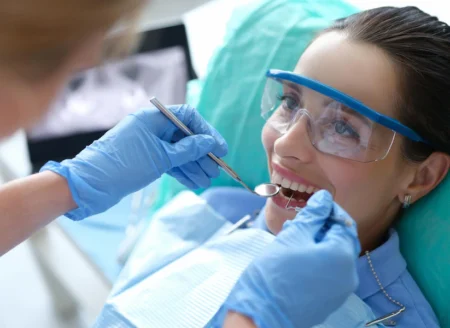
[37,36]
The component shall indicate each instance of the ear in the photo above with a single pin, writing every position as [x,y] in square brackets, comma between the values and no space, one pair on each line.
[428,176]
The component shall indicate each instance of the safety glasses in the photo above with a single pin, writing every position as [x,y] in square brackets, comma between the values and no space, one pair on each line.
[336,123]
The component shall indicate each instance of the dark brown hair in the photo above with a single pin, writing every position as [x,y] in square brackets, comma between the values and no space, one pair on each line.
[420,46]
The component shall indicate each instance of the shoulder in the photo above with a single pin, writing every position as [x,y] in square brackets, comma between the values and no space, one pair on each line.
[400,289]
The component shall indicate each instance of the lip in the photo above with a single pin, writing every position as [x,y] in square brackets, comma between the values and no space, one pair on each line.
[292,176]
[282,202]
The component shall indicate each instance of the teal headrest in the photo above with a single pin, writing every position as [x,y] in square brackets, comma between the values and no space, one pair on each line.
[424,233]
[273,34]
[267,34]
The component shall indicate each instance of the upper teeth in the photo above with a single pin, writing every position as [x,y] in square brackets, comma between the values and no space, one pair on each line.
[286,183]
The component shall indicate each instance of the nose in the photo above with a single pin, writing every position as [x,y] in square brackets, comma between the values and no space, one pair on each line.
[296,142]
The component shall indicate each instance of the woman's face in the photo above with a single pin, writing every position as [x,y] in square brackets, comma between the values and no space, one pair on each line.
[23,103]
[369,192]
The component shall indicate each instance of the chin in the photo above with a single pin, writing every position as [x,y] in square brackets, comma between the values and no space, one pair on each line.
[276,216]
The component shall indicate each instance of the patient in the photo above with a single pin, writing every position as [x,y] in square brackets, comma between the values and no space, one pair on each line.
[365,115]
[395,61]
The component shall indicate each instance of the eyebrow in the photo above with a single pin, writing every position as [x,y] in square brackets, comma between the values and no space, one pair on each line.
[294,86]
[350,111]
[345,108]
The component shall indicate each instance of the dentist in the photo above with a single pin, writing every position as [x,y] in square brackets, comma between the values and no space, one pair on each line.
[42,43]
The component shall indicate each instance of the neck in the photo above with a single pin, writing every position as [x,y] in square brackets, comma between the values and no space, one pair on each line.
[373,232]
[370,244]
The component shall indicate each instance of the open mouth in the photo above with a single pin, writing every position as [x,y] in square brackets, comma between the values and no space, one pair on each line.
[292,190]
[295,195]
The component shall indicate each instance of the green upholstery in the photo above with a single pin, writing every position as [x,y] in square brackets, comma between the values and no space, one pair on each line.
[425,242]
[273,34]
[269,34]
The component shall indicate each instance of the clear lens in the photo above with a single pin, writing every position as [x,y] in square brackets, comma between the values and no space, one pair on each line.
[333,127]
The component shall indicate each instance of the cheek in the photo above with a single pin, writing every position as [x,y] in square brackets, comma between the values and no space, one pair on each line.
[16,111]
[268,136]
[33,111]
[363,190]
[9,123]
[23,110]
[91,54]
[275,217]
[342,175]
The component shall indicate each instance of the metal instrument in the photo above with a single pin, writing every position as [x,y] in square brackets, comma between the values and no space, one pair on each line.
[264,190]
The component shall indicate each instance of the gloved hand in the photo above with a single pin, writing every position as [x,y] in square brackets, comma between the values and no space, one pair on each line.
[304,275]
[136,152]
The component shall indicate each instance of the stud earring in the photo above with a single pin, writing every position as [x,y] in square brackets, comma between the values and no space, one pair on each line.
[407,201]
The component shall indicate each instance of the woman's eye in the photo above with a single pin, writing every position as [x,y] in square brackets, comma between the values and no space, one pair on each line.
[288,102]
[344,129]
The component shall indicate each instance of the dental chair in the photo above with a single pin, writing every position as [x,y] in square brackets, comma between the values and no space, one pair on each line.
[424,240]
[100,238]
[229,98]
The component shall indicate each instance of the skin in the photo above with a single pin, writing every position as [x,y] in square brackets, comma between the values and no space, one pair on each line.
[23,103]
[33,202]
[372,193]
[359,70]
[30,203]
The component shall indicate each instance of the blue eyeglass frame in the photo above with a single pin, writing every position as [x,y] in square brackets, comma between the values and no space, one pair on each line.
[354,104]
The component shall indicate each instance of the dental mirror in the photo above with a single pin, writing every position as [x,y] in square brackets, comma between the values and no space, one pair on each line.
[267,190]
[263,190]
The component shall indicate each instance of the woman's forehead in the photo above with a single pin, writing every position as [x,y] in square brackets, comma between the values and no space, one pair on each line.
[360,70]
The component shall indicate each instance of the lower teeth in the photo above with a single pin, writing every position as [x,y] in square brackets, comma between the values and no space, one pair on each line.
[298,196]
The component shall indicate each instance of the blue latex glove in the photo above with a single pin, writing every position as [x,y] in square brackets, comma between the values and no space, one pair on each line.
[135,153]
[304,275]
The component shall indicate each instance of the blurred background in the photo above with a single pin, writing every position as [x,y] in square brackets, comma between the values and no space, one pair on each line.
[55,279]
